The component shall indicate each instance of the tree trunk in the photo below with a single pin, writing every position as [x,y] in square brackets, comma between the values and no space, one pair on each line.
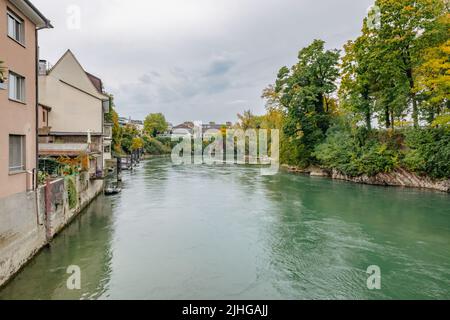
[415,113]
[320,104]
[368,120]
[368,112]
[392,120]
[387,117]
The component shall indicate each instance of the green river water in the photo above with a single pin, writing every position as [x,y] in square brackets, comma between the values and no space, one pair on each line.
[226,232]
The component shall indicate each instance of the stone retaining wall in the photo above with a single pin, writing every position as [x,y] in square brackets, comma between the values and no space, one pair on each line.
[30,220]
[397,178]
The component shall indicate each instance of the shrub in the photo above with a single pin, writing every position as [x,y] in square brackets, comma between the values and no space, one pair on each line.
[71,192]
[357,151]
[428,152]
[153,146]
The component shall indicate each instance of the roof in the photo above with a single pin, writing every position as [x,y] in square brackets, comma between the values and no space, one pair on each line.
[213,126]
[45,107]
[66,149]
[93,80]
[32,13]
[75,134]
[96,81]
[185,125]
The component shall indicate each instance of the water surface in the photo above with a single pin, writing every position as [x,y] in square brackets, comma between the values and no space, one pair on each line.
[226,232]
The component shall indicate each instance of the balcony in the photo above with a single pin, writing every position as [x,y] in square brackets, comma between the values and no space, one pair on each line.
[107,131]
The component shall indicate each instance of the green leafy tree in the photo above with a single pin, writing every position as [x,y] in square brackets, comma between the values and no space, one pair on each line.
[154,146]
[433,82]
[304,93]
[155,124]
[407,28]
[137,143]
[117,132]
[129,132]
[248,120]
[359,76]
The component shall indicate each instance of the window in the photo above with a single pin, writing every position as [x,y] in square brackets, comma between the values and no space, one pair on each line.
[16,87]
[16,153]
[16,29]
[107,149]
[108,132]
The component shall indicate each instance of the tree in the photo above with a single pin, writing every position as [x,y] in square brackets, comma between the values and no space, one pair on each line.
[117,131]
[155,124]
[248,120]
[433,80]
[137,143]
[359,76]
[407,28]
[304,93]
[129,132]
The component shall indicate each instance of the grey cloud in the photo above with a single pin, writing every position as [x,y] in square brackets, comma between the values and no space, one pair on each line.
[219,67]
[194,60]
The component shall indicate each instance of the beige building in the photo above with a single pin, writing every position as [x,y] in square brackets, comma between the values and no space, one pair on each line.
[19,25]
[71,114]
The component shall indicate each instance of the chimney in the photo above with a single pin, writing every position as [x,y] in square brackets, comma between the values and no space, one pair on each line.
[42,67]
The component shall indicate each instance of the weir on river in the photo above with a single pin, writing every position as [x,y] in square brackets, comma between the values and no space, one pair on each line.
[226,232]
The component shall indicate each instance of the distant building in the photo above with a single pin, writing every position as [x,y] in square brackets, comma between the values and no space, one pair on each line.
[185,127]
[123,121]
[214,126]
[188,127]
[73,105]
[138,124]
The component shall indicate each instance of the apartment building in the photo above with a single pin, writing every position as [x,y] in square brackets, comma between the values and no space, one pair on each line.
[72,110]
[20,22]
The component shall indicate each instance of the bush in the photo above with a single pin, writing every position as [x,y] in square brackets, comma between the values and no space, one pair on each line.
[428,152]
[153,146]
[167,142]
[357,152]
[72,193]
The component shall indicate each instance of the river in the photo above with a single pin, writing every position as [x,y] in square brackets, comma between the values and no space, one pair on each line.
[226,232]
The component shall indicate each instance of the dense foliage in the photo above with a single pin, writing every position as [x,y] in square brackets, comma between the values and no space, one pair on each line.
[384,104]
[71,192]
[157,146]
[429,151]
[154,124]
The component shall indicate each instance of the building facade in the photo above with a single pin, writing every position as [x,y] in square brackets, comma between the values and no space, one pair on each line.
[19,25]
[72,110]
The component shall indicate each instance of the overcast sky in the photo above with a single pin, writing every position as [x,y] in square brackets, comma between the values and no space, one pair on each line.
[201,60]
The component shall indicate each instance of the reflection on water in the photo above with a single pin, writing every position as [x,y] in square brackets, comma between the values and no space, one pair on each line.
[85,243]
[226,232]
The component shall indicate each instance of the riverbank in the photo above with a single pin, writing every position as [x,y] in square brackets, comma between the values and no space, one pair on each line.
[397,178]
[31,220]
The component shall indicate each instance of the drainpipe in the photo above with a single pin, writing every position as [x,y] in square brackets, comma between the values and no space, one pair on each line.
[47,26]
[37,109]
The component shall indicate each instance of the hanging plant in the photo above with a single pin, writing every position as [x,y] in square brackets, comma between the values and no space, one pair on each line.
[71,192]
